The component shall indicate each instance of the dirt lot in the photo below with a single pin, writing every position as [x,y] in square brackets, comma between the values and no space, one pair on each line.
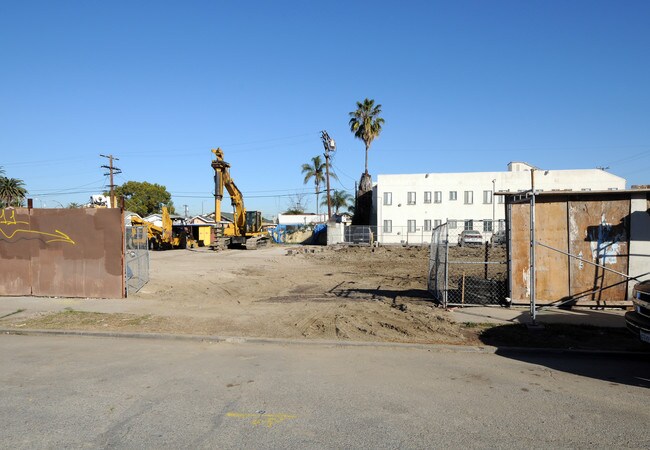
[355,293]
[339,293]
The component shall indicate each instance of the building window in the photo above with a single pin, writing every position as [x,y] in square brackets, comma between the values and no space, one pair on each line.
[500,199]
[411,226]
[388,226]
[487,225]
[427,196]
[469,197]
[388,198]
[452,224]
[437,197]
[469,225]
[427,224]
[410,198]
[453,195]
[437,223]
[487,197]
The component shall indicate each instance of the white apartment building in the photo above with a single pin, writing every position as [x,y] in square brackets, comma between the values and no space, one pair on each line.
[409,206]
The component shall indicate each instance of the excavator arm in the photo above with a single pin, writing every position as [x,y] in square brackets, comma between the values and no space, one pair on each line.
[222,179]
[246,231]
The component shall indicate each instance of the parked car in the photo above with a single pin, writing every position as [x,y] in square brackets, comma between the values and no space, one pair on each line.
[470,237]
[638,321]
[498,238]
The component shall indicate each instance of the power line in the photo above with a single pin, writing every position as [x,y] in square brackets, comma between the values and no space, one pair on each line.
[629,158]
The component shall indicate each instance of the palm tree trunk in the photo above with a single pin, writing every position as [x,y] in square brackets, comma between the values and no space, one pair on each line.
[317,195]
[367,148]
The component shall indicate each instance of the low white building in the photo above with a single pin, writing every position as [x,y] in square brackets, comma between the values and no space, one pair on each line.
[301,219]
[409,206]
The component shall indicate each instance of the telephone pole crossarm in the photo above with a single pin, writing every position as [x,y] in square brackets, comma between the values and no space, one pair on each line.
[112,170]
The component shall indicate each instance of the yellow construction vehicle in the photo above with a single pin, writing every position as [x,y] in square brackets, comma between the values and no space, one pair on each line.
[168,236]
[246,229]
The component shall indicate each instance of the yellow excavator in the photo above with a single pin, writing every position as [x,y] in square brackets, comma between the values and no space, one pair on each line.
[246,229]
[167,237]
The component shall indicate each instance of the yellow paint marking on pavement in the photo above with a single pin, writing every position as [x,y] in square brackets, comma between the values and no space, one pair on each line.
[259,419]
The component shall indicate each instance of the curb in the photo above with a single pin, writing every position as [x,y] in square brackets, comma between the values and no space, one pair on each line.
[440,348]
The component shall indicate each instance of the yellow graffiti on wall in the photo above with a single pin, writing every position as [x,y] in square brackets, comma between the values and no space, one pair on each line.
[57,236]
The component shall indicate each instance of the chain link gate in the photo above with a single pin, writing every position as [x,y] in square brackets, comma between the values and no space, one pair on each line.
[360,234]
[136,258]
[465,268]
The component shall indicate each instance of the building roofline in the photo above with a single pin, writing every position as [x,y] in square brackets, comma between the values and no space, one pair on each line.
[569,192]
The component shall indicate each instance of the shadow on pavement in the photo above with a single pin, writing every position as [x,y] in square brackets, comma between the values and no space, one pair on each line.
[631,370]
[512,340]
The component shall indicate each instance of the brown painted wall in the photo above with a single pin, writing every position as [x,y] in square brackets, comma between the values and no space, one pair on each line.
[61,252]
[593,227]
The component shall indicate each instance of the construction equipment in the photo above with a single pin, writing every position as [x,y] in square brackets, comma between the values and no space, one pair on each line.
[169,236]
[246,229]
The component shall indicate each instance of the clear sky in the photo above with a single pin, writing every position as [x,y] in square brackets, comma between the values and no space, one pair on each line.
[465,86]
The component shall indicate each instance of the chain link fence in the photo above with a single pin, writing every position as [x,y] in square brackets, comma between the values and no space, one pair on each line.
[136,257]
[465,268]
[360,234]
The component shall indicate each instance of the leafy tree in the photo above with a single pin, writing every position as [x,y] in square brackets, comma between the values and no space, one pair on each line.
[144,198]
[339,199]
[317,170]
[366,124]
[12,190]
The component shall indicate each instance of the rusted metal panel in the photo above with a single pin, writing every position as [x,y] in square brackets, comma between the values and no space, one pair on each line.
[599,232]
[519,249]
[64,252]
[551,267]
[16,243]
[592,226]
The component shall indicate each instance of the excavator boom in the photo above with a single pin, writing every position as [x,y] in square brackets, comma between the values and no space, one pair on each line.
[246,228]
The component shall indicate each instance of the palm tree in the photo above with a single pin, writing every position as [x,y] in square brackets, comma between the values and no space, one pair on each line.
[316,170]
[12,191]
[339,199]
[366,124]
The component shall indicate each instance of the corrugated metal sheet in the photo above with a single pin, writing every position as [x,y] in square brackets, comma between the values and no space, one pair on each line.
[61,252]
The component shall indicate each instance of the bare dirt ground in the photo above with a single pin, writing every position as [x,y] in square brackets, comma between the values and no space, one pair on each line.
[351,293]
[332,293]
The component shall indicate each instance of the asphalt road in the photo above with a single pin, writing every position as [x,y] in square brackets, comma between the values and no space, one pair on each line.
[81,392]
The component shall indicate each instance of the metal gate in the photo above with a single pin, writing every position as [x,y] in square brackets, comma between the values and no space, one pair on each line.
[360,234]
[463,274]
[136,257]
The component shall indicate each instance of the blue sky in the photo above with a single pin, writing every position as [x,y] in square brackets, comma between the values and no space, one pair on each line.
[465,86]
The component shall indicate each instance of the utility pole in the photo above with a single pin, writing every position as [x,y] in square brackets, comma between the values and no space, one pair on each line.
[185,206]
[112,170]
[330,145]
[532,276]
[494,224]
